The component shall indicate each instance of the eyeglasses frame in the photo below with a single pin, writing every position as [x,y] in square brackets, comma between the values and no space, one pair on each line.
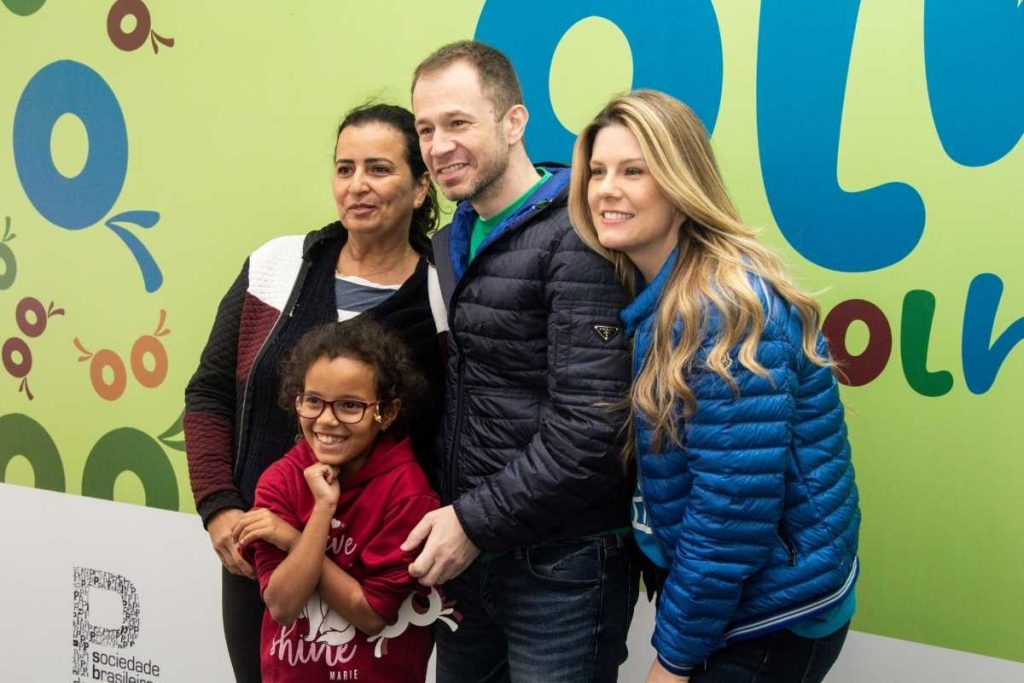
[366,404]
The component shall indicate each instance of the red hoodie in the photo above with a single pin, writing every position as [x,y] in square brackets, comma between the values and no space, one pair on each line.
[378,507]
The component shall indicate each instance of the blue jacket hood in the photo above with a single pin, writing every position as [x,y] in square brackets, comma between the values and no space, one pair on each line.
[461,227]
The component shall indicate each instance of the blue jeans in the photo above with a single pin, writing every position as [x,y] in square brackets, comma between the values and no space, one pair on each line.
[780,657]
[550,612]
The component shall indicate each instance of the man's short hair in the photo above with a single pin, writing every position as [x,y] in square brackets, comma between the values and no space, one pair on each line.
[497,77]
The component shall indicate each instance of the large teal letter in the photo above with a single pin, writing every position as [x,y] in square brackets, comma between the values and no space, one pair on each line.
[972,54]
[675,43]
[803,56]
[982,361]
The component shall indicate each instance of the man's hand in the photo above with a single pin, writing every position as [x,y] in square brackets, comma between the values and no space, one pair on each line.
[447,550]
[659,674]
[219,528]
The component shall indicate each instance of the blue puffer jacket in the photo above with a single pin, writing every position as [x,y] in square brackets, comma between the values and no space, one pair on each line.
[757,514]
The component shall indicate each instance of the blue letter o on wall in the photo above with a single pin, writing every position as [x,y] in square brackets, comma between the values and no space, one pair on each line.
[676,45]
[68,87]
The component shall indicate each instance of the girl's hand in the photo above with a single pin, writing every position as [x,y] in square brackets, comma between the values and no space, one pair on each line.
[323,484]
[262,524]
[659,674]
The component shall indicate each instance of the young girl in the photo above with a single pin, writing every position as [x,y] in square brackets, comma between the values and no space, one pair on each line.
[746,496]
[330,515]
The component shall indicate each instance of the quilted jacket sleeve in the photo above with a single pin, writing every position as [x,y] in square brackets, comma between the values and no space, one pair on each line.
[574,461]
[210,409]
[736,450]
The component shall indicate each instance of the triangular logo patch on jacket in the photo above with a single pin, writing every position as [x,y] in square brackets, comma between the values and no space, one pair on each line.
[606,332]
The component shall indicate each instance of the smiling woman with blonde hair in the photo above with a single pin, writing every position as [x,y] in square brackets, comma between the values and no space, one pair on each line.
[746,495]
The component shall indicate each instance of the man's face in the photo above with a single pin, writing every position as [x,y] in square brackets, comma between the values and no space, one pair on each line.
[462,139]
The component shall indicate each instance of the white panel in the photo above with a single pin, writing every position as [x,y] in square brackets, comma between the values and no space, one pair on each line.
[164,560]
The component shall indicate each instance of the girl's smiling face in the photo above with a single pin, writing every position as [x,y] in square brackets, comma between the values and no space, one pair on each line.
[348,383]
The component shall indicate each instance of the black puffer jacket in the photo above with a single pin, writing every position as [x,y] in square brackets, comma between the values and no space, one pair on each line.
[529,450]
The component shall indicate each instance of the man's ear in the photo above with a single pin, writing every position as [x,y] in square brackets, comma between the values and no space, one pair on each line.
[516,119]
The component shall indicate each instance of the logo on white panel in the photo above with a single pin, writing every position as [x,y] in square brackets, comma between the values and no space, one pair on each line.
[100,651]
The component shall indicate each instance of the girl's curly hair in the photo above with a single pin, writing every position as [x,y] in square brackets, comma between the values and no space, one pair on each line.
[362,339]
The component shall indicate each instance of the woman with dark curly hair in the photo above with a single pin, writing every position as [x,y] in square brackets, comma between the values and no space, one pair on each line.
[373,262]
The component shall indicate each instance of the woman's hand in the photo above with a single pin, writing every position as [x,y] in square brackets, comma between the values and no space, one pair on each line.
[219,528]
[262,524]
[323,484]
[659,674]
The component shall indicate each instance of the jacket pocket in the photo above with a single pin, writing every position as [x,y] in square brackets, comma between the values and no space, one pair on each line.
[572,564]
[590,351]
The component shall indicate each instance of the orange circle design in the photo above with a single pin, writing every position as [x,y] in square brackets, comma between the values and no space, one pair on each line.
[151,345]
[107,358]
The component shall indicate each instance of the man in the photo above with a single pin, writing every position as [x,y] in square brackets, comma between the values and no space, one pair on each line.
[533,542]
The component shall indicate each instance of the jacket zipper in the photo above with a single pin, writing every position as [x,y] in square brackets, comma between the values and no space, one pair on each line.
[287,312]
[453,345]
[636,432]
[453,464]
[788,545]
[520,219]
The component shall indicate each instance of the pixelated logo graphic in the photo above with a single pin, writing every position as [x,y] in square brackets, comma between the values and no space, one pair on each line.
[101,652]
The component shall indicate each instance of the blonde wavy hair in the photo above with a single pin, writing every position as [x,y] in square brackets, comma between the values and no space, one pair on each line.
[717,255]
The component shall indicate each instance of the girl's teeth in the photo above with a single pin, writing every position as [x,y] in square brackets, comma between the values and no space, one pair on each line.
[328,440]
